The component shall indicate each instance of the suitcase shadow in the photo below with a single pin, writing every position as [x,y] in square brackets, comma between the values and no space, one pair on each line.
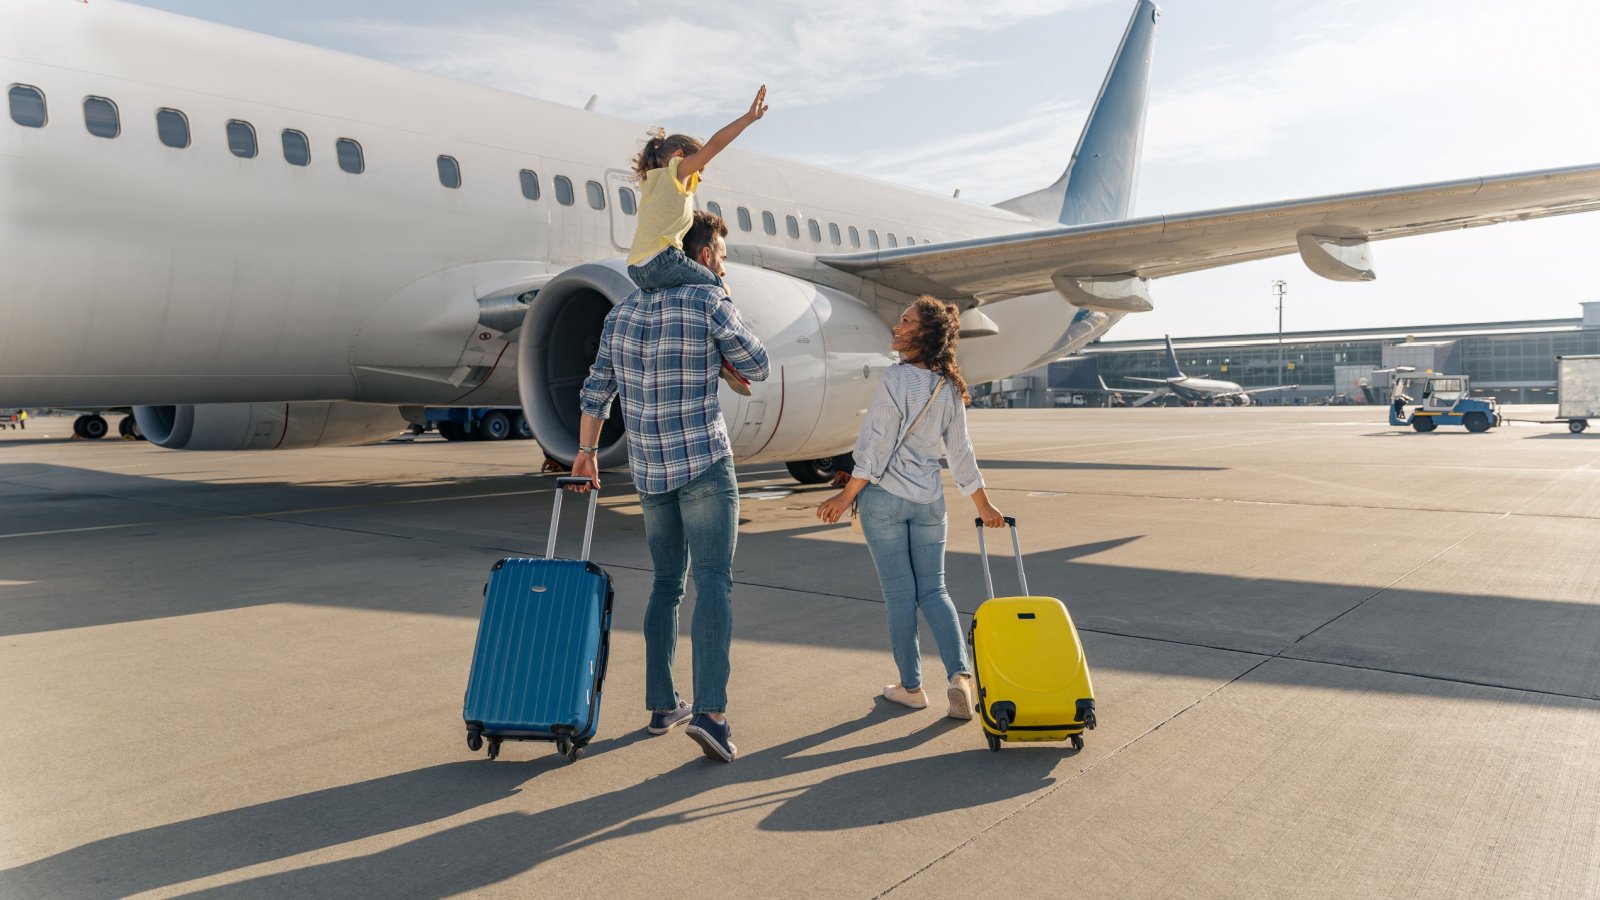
[487,851]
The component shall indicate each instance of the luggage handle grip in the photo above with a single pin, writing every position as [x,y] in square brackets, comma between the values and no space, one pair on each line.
[1016,548]
[562,484]
[1010,520]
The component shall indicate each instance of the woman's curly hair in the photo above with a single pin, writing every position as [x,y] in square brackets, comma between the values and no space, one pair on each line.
[658,150]
[935,344]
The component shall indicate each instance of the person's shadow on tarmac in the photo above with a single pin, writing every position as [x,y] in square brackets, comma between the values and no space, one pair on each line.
[490,850]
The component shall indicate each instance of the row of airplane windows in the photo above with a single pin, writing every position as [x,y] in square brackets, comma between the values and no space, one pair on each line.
[102,119]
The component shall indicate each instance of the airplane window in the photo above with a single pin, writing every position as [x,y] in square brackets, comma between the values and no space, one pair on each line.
[768,223]
[597,194]
[714,208]
[100,117]
[895,243]
[27,106]
[563,190]
[833,233]
[815,229]
[530,184]
[744,219]
[296,149]
[173,128]
[794,227]
[449,172]
[242,139]
[630,206]
[855,237]
[872,238]
[351,159]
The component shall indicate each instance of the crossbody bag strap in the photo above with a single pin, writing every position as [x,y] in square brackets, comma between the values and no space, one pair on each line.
[918,421]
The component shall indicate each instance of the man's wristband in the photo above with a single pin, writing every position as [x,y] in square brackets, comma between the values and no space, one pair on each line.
[583,449]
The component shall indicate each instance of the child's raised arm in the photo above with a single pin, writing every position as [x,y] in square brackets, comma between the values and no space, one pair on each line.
[720,141]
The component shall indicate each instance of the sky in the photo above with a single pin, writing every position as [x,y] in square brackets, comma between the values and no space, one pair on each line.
[1250,101]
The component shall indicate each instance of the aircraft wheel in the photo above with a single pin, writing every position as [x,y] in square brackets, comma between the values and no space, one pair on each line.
[129,428]
[92,427]
[495,426]
[1423,424]
[1576,426]
[820,471]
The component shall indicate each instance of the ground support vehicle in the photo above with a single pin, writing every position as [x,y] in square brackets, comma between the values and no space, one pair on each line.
[476,423]
[1439,400]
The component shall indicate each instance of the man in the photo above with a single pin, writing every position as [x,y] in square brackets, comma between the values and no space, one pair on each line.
[660,351]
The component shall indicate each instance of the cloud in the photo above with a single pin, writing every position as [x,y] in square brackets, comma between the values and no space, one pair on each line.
[653,62]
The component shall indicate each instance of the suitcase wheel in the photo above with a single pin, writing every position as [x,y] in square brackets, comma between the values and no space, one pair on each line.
[576,753]
[494,747]
[994,742]
[474,741]
[563,745]
[1077,742]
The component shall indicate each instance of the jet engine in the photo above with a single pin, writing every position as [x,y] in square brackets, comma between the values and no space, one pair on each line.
[825,348]
[268,426]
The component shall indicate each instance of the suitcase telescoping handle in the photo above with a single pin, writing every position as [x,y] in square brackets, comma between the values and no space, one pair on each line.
[1016,547]
[562,484]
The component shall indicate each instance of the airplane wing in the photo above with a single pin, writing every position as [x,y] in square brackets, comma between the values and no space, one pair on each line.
[1147,380]
[1268,390]
[1152,396]
[1335,227]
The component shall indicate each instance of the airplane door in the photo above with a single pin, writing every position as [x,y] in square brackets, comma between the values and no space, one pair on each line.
[624,206]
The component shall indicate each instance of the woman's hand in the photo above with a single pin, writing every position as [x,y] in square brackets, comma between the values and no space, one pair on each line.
[833,507]
[992,518]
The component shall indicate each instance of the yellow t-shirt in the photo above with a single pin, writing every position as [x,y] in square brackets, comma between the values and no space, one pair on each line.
[666,210]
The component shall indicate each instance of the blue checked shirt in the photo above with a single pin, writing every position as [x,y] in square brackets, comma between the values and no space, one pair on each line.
[661,351]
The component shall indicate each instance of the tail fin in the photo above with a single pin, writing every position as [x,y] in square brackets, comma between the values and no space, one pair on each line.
[1099,181]
[1172,360]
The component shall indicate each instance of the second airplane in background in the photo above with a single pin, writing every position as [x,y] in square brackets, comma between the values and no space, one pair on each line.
[1204,391]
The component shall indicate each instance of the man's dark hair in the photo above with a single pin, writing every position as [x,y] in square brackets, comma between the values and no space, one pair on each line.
[705,228]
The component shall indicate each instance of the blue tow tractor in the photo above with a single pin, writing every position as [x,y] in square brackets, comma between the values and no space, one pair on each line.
[1439,400]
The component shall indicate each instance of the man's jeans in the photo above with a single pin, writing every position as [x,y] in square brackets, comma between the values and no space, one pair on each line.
[699,524]
[907,544]
[671,268]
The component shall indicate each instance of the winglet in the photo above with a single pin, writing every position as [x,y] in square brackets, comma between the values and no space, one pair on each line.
[1099,181]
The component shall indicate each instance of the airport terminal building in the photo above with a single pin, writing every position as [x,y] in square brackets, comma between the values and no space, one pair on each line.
[1514,362]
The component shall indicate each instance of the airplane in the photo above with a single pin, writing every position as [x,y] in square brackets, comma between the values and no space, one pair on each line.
[1206,391]
[258,244]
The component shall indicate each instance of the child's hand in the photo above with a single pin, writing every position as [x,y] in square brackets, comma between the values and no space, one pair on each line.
[758,106]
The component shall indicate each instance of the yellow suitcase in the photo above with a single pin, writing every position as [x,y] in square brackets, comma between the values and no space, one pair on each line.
[1032,679]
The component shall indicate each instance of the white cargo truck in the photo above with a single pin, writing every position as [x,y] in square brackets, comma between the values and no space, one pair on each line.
[1578,384]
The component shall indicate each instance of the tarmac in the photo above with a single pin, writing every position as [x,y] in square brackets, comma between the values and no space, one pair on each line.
[1332,659]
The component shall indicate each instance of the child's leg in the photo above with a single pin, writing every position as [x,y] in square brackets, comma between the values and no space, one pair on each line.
[670,268]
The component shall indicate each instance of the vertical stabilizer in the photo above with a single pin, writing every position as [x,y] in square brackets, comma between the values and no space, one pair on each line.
[1099,181]
[1172,360]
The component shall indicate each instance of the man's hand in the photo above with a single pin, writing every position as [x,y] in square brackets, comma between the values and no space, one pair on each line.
[586,466]
[833,507]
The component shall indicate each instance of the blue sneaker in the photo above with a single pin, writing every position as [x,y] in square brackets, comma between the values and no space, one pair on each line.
[713,737]
[663,722]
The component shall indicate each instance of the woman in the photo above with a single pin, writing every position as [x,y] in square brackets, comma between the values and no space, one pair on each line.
[899,489]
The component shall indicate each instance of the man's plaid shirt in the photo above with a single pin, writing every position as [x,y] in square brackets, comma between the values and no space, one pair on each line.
[661,350]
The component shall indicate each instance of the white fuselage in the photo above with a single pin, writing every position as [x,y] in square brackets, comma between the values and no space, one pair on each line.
[132,272]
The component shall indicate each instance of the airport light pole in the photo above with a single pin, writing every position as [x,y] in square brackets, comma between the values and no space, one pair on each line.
[1279,287]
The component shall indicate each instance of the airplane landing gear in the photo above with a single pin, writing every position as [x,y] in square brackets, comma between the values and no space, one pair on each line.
[90,427]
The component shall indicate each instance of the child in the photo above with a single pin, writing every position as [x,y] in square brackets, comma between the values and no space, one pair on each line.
[668,170]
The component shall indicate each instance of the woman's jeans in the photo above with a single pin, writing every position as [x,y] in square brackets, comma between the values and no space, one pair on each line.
[671,268]
[691,528]
[907,544]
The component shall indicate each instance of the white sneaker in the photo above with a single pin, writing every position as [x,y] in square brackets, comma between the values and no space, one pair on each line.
[960,696]
[917,699]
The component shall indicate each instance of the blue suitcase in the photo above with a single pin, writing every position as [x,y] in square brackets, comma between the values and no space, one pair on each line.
[543,639]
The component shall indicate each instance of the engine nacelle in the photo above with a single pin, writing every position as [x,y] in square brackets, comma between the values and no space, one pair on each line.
[268,426]
[825,347]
